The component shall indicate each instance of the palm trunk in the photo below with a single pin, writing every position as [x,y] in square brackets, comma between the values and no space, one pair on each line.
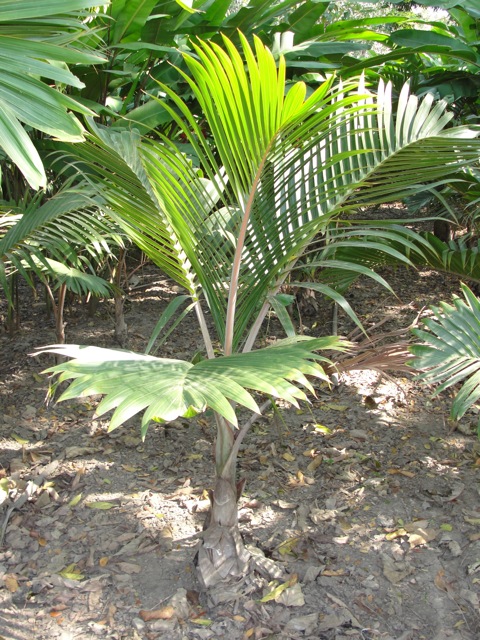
[58,308]
[222,555]
[121,329]
[58,312]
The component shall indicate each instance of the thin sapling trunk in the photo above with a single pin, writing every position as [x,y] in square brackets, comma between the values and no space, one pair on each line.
[222,555]
[121,328]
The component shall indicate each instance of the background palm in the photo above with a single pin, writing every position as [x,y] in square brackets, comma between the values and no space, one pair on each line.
[61,242]
[267,171]
[37,42]
[448,354]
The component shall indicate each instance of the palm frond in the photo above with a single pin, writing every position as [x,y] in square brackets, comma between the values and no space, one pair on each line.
[167,389]
[34,38]
[295,163]
[448,352]
[78,281]
[359,251]
[275,167]
[66,229]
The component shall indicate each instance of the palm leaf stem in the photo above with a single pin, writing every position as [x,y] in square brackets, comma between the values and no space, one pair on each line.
[257,324]
[229,468]
[207,341]
[234,278]
[223,448]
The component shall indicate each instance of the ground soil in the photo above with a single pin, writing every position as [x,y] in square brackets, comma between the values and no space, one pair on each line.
[364,504]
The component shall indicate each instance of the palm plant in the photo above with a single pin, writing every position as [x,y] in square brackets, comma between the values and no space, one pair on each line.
[58,241]
[376,244]
[270,169]
[448,353]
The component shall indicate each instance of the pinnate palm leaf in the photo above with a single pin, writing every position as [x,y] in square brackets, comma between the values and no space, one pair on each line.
[67,230]
[167,389]
[34,38]
[296,162]
[281,163]
[78,281]
[449,352]
[356,251]
[135,192]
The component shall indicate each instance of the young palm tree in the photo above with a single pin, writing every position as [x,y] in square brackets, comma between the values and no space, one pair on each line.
[59,241]
[269,168]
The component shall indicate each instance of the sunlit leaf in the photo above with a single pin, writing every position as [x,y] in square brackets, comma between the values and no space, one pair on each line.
[102,505]
[74,501]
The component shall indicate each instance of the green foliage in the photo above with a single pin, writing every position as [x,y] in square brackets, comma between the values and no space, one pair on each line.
[276,167]
[37,42]
[59,239]
[247,168]
[171,388]
[357,251]
[448,354]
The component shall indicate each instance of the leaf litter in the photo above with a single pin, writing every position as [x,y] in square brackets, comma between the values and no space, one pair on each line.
[360,512]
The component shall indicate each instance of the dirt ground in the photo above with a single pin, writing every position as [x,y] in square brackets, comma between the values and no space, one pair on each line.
[362,508]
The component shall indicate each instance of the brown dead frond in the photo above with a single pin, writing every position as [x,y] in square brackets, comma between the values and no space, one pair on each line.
[387,351]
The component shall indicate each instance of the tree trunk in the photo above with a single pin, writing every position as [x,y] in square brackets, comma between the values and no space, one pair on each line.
[121,329]
[222,555]
[58,312]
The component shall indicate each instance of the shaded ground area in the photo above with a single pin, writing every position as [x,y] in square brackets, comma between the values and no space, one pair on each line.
[362,509]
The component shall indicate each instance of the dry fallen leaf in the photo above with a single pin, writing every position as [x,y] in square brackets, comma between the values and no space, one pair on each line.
[411,527]
[439,580]
[398,533]
[165,613]
[76,452]
[128,567]
[333,572]
[394,571]
[287,546]
[315,463]
[306,623]
[401,472]
[291,597]
[332,406]
[203,622]
[421,536]
[321,428]
[74,501]
[11,583]
[71,573]
[277,589]
[283,504]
